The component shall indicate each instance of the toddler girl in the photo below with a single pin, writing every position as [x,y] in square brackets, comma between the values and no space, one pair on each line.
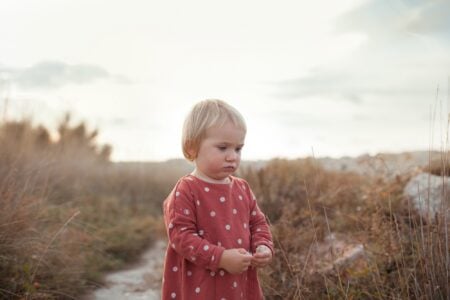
[217,234]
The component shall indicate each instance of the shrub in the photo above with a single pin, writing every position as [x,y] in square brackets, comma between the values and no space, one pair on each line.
[405,258]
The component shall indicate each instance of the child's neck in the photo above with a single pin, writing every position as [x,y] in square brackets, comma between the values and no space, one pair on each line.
[199,174]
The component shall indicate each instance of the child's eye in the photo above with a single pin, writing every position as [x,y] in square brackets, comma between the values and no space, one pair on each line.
[222,148]
[238,149]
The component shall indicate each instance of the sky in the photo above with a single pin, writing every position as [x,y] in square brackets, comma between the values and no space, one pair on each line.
[322,78]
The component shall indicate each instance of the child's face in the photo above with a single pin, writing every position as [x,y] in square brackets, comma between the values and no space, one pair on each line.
[219,154]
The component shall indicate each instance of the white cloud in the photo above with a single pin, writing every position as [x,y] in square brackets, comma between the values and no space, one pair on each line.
[394,62]
[382,19]
[55,74]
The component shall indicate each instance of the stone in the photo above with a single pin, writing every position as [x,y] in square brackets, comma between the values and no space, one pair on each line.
[429,195]
[337,253]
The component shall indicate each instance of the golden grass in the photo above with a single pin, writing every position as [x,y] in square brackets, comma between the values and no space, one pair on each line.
[67,214]
[405,257]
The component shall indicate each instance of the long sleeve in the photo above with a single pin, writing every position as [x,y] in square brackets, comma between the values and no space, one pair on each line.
[259,229]
[184,235]
[202,220]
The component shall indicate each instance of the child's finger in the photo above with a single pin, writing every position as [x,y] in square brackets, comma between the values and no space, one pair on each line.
[257,259]
[260,261]
[242,251]
[261,255]
[259,264]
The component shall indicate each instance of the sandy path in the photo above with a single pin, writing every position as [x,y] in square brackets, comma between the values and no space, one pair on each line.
[140,282]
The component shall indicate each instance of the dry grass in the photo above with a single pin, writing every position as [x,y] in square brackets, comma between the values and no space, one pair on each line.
[405,257]
[67,214]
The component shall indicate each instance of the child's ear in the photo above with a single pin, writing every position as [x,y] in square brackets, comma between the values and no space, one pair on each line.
[192,154]
[191,151]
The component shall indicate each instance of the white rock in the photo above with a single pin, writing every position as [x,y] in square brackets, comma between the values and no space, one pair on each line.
[427,193]
[335,252]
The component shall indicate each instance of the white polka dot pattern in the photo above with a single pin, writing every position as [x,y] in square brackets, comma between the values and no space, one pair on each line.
[203,215]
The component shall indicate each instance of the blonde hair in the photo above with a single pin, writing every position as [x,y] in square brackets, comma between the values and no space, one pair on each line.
[204,115]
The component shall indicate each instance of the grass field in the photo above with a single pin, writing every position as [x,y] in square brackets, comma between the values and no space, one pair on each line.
[68,215]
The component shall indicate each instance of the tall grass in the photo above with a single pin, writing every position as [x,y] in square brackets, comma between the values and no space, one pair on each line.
[406,257]
[67,213]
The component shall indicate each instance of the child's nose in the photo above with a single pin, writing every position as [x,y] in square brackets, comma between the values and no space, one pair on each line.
[231,156]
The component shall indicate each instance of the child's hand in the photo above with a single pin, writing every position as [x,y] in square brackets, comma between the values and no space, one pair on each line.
[235,261]
[262,257]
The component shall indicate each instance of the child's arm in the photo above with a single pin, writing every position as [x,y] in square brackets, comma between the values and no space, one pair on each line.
[260,233]
[180,219]
[259,229]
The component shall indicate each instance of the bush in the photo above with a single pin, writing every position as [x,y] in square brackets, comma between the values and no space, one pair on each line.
[405,258]
[68,214]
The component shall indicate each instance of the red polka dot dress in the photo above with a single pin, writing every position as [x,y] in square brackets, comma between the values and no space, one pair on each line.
[202,220]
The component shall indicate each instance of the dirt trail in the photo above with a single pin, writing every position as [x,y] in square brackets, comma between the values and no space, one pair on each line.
[143,281]
[139,282]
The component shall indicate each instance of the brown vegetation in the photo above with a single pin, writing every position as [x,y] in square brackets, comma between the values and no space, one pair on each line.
[68,214]
[405,258]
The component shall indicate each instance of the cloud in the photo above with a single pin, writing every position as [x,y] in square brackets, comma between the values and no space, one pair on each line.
[381,19]
[346,86]
[319,82]
[404,57]
[55,74]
